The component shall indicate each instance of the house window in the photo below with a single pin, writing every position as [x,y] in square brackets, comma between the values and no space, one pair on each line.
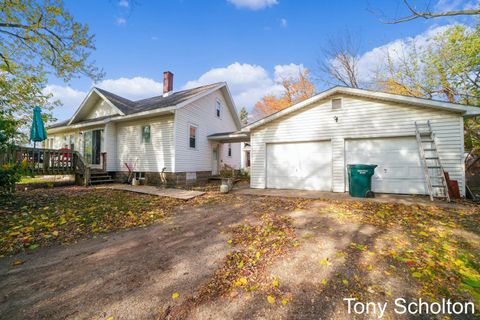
[192,133]
[218,108]
[229,149]
[146,134]
[336,104]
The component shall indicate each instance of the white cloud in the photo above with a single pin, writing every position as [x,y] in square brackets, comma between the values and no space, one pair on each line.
[123,3]
[287,71]
[284,22]
[70,98]
[132,88]
[451,5]
[247,82]
[253,4]
[371,61]
[120,21]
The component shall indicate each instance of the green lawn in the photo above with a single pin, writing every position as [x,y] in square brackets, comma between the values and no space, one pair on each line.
[41,179]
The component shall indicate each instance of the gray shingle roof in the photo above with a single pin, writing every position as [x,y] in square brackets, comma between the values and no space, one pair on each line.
[130,107]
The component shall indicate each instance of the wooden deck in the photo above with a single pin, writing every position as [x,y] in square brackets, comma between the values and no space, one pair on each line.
[47,162]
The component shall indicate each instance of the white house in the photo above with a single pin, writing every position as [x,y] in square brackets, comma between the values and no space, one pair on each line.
[309,145]
[169,132]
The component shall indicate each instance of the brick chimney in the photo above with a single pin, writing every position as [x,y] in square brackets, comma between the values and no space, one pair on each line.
[167,83]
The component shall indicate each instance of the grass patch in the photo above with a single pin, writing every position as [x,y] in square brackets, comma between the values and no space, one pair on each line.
[42,179]
[42,217]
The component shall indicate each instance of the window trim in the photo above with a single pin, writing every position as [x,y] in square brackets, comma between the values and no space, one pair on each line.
[341,103]
[142,128]
[191,125]
[218,108]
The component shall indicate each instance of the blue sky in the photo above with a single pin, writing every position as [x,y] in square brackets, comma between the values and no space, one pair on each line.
[248,43]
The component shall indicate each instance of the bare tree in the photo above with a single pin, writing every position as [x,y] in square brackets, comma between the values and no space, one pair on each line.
[338,61]
[414,13]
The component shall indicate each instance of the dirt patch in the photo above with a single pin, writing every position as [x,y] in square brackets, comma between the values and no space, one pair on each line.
[337,251]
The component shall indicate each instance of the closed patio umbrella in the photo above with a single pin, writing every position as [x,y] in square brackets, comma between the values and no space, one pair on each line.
[37,131]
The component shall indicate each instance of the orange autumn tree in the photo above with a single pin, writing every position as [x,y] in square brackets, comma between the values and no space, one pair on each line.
[294,91]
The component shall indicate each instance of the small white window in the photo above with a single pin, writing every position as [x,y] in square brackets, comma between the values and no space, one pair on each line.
[192,135]
[229,149]
[336,104]
[218,108]
[146,134]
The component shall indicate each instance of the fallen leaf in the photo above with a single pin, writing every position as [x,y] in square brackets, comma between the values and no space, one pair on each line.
[271,299]
[175,295]
[17,262]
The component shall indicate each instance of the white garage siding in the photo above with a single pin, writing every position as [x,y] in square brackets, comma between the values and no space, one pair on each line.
[399,168]
[358,118]
[300,165]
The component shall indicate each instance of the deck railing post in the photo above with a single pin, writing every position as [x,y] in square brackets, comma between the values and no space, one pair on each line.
[86,176]
[104,161]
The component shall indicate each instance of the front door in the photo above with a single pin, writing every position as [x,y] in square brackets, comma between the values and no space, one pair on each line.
[92,147]
[215,160]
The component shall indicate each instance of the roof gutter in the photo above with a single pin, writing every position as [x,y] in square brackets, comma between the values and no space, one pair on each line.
[139,115]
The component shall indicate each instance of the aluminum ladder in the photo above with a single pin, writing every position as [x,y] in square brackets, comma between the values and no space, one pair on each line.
[432,167]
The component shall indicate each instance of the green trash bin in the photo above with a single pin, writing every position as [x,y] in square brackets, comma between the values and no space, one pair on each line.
[360,180]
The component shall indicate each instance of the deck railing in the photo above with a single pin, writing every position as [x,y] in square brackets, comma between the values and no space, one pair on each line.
[45,161]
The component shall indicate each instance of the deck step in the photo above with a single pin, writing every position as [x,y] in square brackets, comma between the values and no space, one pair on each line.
[429,149]
[431,158]
[101,177]
[434,167]
[427,141]
[101,181]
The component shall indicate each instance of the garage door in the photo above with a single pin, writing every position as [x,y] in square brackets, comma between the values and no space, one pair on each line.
[300,165]
[399,168]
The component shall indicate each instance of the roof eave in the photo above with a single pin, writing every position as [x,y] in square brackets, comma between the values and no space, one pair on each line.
[466,111]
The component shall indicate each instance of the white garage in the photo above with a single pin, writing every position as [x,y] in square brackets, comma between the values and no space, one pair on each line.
[399,167]
[300,165]
[348,125]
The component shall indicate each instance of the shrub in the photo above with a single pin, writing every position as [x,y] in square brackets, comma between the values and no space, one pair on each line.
[9,176]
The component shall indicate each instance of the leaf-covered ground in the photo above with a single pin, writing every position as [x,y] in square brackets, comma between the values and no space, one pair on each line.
[29,219]
[243,257]
[437,247]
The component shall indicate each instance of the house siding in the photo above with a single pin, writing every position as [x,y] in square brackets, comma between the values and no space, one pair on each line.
[359,118]
[100,109]
[146,157]
[201,113]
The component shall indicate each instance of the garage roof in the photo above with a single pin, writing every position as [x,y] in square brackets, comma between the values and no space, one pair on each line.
[466,111]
